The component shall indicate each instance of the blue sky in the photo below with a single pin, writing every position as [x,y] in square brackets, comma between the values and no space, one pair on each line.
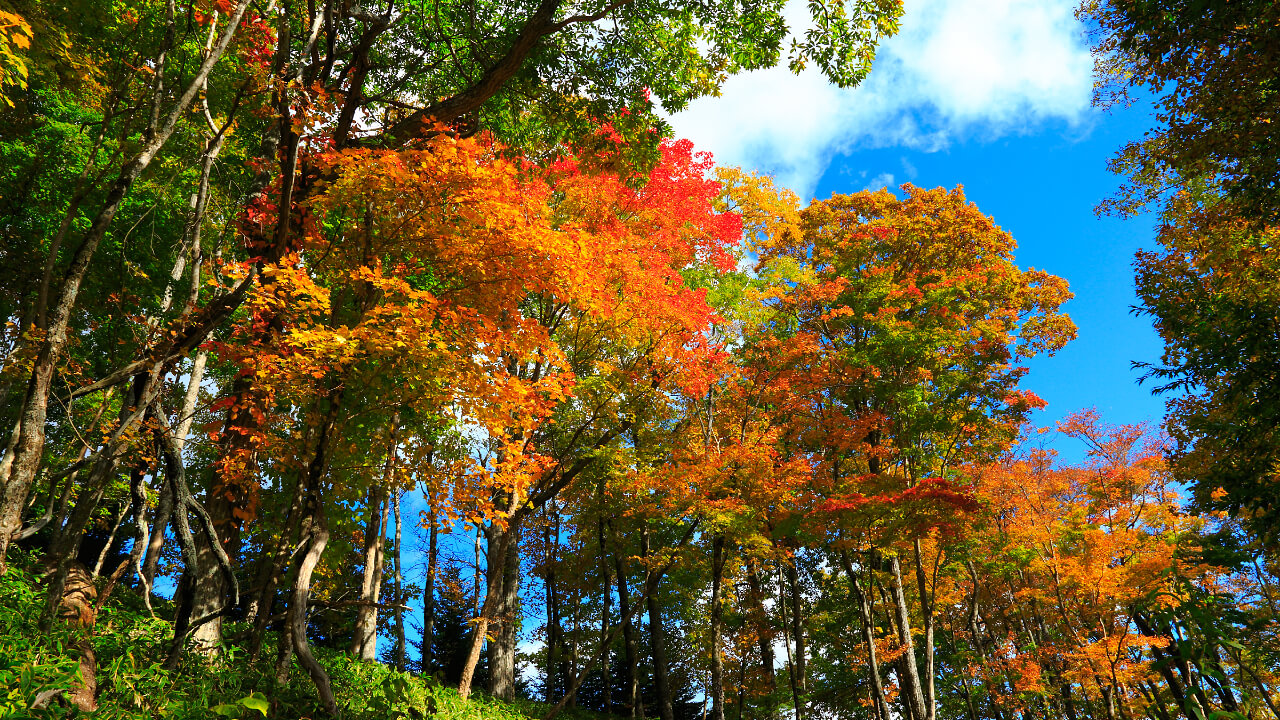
[993,95]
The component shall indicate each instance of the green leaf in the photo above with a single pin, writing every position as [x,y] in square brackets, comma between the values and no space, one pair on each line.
[256,702]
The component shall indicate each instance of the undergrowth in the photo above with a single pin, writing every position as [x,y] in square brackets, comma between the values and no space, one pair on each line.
[131,646]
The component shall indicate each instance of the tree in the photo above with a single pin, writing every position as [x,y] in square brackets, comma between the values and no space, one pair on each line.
[1209,64]
[1212,294]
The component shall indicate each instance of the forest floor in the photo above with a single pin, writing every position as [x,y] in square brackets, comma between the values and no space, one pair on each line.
[130,645]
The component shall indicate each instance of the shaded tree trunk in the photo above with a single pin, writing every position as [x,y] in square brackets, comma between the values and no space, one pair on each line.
[606,596]
[717,664]
[634,702]
[20,463]
[764,633]
[657,639]
[429,591]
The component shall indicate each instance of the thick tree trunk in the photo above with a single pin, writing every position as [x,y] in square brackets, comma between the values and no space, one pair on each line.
[484,615]
[657,639]
[504,561]
[78,608]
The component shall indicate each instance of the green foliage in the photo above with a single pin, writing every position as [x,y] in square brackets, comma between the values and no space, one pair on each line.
[132,682]
[30,663]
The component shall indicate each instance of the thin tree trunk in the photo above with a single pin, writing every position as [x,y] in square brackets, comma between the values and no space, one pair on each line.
[786,644]
[797,626]
[606,595]
[429,592]
[717,664]
[755,600]
[634,702]
[111,538]
[296,622]
[926,612]
[657,639]
[557,677]
[650,588]
[868,637]
[18,466]
[399,587]
[297,617]
[273,566]
[364,644]
[911,686]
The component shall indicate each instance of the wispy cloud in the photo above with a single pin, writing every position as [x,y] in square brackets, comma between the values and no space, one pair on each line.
[959,68]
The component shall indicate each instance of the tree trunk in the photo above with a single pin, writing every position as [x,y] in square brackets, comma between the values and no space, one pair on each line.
[399,588]
[657,639]
[557,674]
[926,612]
[504,561]
[797,625]
[295,634]
[868,637]
[364,644]
[634,701]
[19,465]
[606,595]
[717,665]
[429,591]
[764,633]
[297,617]
[484,613]
[786,643]
[911,685]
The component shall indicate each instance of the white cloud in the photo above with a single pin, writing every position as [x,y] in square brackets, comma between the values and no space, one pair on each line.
[957,68]
[879,182]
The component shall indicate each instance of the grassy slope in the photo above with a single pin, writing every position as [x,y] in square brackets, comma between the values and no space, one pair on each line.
[131,645]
